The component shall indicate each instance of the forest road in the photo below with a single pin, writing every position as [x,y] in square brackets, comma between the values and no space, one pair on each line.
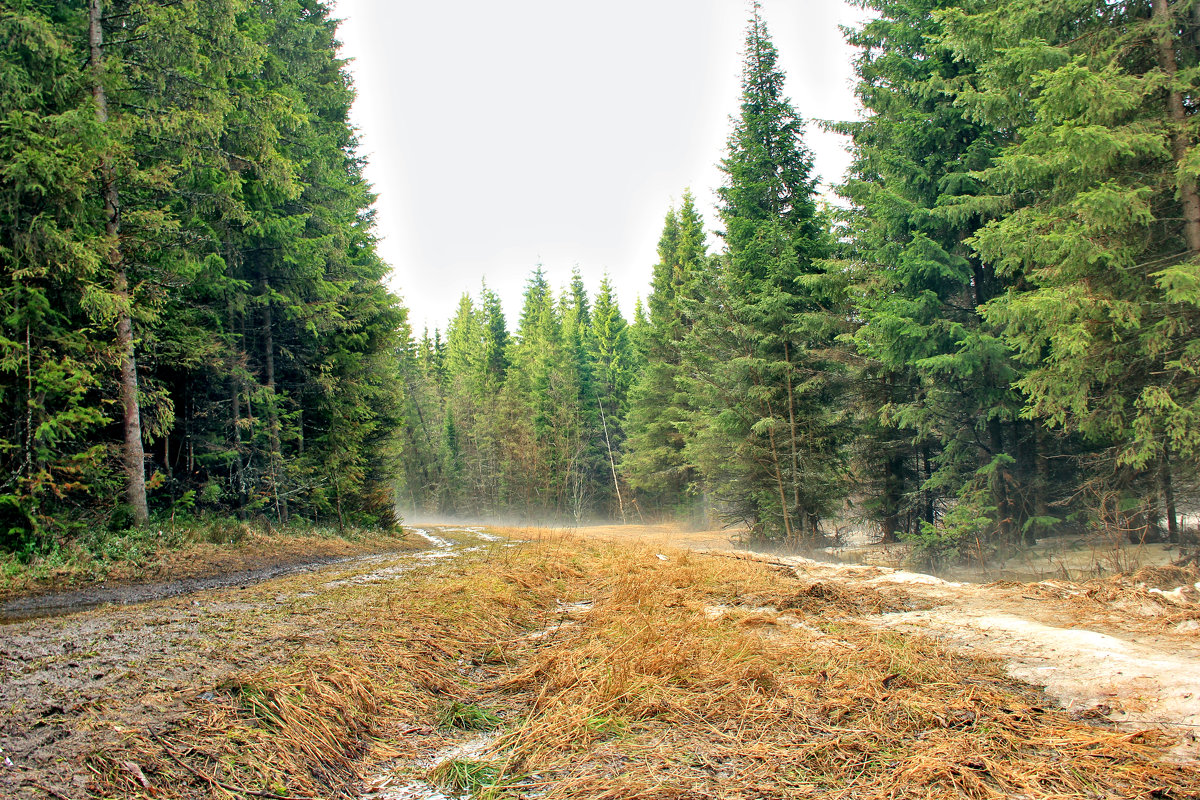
[1124,649]
[58,603]
[69,680]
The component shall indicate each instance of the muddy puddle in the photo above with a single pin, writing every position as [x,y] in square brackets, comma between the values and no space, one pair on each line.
[443,543]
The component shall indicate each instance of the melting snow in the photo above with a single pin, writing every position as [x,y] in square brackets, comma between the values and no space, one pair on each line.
[390,786]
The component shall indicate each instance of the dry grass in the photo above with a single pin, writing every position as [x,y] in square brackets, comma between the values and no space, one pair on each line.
[780,693]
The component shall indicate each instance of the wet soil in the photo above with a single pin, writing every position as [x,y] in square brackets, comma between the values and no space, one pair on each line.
[198,568]
[74,684]
[59,603]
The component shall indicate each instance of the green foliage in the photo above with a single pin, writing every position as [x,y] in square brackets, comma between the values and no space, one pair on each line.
[466,776]
[654,461]
[265,339]
[762,360]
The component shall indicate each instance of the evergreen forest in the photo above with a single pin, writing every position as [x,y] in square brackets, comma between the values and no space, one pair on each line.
[990,335]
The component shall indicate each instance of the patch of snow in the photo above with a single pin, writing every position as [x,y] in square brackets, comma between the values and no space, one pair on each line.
[433,555]
[1080,668]
[717,612]
[900,576]
[544,632]
[1180,595]
[436,541]
[582,607]
[385,574]
[390,786]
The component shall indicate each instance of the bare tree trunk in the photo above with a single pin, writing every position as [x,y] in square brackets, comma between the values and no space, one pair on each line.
[892,488]
[611,463]
[999,484]
[134,454]
[1188,196]
[27,467]
[787,359]
[1167,487]
[788,533]
[926,494]
[238,478]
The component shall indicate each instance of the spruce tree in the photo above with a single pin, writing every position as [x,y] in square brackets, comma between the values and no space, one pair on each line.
[767,378]
[654,461]
[939,421]
[610,359]
[54,354]
[1097,225]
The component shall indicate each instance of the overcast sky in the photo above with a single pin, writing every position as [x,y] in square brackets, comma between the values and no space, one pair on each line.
[501,135]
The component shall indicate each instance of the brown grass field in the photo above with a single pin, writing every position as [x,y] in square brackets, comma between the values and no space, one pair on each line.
[609,669]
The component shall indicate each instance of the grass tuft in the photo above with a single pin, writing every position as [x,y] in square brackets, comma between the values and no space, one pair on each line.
[468,717]
[465,776]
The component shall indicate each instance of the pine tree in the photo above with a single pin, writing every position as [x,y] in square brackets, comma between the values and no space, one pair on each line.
[766,432]
[1097,223]
[654,460]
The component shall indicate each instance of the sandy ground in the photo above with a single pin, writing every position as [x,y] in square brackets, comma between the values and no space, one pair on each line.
[1124,649]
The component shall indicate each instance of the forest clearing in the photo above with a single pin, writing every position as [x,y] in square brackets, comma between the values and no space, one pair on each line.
[226,406]
[543,663]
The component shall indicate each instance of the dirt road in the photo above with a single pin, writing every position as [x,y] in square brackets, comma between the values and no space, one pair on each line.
[1125,649]
[78,686]
[70,683]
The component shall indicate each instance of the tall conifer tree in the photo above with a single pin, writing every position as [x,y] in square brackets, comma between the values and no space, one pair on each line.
[767,427]
[1099,223]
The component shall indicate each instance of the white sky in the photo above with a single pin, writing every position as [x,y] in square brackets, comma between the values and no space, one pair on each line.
[504,134]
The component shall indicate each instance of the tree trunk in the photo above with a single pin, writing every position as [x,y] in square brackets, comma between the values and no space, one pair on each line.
[134,454]
[789,533]
[793,436]
[27,466]
[892,489]
[238,478]
[999,483]
[1180,144]
[1167,488]
[1026,444]
[926,494]
[281,507]
[611,462]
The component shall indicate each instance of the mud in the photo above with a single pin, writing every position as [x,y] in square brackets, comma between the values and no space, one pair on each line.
[74,684]
[57,604]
